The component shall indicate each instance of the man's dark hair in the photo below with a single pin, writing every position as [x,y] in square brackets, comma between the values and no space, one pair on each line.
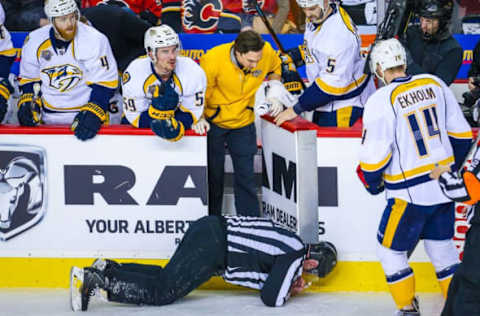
[248,41]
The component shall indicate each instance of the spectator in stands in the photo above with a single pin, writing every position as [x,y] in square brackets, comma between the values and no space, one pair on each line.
[148,10]
[225,16]
[234,72]
[24,15]
[362,12]
[430,46]
[125,31]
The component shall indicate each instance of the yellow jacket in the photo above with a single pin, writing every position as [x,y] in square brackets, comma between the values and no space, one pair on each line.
[230,93]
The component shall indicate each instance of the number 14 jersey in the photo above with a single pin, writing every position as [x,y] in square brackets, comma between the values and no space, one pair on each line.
[409,127]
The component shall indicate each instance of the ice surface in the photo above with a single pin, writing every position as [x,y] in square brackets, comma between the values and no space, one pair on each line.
[30,302]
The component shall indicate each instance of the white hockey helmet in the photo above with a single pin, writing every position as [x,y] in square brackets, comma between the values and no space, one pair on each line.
[387,54]
[310,3]
[160,36]
[58,8]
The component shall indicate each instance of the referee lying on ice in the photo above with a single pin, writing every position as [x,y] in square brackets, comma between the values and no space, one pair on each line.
[247,251]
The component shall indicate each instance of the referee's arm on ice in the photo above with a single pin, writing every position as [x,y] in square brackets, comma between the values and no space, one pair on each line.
[287,268]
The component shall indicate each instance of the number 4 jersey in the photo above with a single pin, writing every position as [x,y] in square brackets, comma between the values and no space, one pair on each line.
[409,127]
[71,76]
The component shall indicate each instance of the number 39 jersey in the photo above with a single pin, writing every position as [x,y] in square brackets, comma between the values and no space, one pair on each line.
[190,84]
[67,74]
[409,127]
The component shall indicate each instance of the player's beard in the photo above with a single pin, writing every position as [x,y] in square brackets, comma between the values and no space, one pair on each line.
[68,34]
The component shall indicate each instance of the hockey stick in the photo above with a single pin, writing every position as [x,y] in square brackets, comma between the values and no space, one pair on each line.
[269,27]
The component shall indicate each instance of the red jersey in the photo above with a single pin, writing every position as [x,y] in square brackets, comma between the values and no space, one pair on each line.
[137,6]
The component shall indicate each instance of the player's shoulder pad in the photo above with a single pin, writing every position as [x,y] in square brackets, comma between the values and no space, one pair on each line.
[87,34]
[38,36]
[137,68]
[378,103]
[2,15]
[189,72]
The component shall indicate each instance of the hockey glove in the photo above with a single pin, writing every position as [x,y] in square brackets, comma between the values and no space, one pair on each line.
[168,128]
[29,111]
[296,55]
[371,190]
[5,90]
[88,121]
[164,97]
[292,81]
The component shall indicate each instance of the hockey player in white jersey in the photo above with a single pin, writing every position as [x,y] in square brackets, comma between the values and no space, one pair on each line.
[164,91]
[411,125]
[334,66]
[74,66]
[7,55]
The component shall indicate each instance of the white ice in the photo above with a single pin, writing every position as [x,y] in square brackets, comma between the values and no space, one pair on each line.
[36,302]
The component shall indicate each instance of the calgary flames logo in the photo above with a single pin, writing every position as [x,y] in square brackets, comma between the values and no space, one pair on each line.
[63,77]
[201,15]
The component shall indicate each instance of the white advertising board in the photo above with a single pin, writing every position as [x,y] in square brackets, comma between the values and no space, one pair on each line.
[112,196]
[289,189]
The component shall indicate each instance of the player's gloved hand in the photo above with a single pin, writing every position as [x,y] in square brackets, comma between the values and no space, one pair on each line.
[295,55]
[29,112]
[164,103]
[88,121]
[5,91]
[371,190]
[201,127]
[164,97]
[168,128]
[292,81]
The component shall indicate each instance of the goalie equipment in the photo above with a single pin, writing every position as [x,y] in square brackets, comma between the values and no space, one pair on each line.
[387,54]
[159,37]
[326,255]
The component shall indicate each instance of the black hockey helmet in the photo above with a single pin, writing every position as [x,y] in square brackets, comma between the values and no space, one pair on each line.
[326,255]
[436,9]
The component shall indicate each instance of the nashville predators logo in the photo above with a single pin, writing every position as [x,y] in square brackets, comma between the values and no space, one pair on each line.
[64,77]
[201,15]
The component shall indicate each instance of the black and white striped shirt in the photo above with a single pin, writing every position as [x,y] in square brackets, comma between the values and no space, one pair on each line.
[264,256]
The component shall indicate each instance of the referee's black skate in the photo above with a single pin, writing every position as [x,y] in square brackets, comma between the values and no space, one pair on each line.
[83,285]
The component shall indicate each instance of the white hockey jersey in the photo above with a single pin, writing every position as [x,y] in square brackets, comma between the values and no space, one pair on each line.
[333,61]
[6,46]
[407,125]
[190,84]
[66,75]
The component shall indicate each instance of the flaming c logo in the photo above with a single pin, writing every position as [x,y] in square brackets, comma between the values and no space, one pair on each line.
[201,15]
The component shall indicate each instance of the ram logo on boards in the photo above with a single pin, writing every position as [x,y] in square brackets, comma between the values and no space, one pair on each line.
[22,188]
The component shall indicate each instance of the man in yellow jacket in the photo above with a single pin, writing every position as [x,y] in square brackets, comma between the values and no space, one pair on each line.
[234,73]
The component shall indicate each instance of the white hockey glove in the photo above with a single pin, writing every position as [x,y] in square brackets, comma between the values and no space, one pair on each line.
[278,91]
[201,127]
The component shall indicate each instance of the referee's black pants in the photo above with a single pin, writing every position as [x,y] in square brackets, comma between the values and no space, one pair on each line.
[242,145]
[463,296]
[199,256]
